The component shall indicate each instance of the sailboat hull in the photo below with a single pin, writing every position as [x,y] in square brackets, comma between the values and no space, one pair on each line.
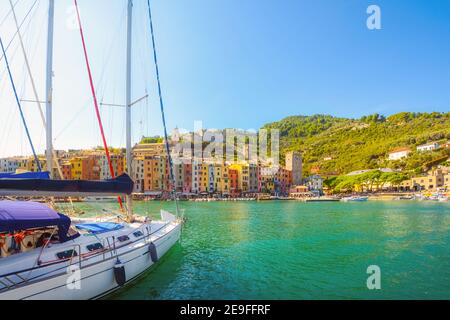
[97,279]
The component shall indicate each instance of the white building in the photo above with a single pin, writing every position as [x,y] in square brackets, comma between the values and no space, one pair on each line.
[398,154]
[428,147]
[268,171]
[315,184]
[9,165]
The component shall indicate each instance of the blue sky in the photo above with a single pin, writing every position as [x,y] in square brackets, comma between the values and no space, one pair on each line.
[230,63]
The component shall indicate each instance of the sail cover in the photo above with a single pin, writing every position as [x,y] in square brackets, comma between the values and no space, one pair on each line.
[20,215]
[120,185]
[27,175]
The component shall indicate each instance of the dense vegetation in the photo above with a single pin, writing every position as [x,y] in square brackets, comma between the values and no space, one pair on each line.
[155,139]
[368,181]
[339,145]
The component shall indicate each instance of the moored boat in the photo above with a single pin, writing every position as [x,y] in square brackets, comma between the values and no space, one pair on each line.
[100,199]
[44,255]
[355,198]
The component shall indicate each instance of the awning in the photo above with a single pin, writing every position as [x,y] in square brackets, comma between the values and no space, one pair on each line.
[21,215]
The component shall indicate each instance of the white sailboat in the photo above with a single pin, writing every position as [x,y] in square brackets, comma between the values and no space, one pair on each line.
[46,255]
[65,260]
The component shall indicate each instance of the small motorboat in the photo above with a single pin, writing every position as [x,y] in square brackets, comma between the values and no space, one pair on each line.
[355,198]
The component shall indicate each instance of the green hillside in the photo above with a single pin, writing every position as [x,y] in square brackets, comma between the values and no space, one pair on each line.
[364,143]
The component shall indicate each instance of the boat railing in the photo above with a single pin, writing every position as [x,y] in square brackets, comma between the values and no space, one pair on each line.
[109,246]
[8,283]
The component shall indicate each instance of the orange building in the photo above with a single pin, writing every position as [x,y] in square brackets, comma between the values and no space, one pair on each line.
[234,181]
[91,168]
[66,170]
[156,174]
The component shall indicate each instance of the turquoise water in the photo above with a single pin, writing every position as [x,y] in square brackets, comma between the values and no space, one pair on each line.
[292,250]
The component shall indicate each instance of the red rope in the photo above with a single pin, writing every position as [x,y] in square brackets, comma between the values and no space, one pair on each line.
[97,110]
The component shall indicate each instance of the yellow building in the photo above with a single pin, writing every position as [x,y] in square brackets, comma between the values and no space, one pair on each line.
[221,182]
[433,180]
[204,178]
[76,168]
[225,180]
[30,165]
[155,173]
[149,150]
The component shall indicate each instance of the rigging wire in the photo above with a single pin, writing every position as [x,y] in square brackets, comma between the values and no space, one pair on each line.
[36,96]
[7,15]
[26,28]
[161,103]
[94,96]
[20,26]
[20,107]
[33,84]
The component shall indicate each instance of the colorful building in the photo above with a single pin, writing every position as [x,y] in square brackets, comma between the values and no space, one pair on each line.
[149,150]
[267,175]
[243,176]
[76,168]
[154,173]
[66,170]
[187,179]
[118,164]
[196,177]
[283,181]
[234,182]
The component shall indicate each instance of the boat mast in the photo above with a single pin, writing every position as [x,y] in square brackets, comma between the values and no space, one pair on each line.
[49,87]
[129,157]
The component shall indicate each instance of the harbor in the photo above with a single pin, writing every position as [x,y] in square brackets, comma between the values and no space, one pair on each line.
[296,250]
[125,173]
